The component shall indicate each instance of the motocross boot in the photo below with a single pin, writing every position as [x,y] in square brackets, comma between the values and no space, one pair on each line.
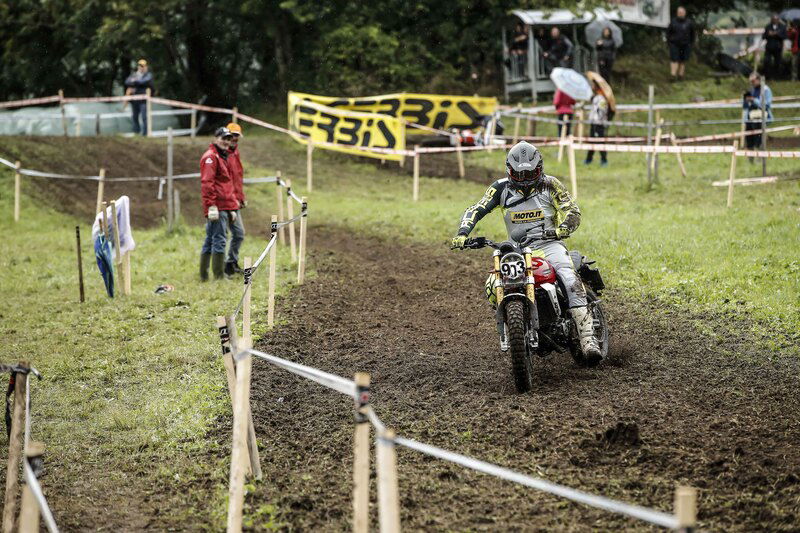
[585,325]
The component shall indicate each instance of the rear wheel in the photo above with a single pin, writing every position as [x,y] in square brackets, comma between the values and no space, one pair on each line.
[521,365]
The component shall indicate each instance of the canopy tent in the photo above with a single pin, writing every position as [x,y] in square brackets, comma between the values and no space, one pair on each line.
[646,12]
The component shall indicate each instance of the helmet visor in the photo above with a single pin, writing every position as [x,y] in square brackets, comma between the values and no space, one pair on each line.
[525,176]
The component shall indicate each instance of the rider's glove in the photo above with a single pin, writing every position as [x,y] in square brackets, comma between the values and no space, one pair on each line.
[562,232]
[213,213]
[458,242]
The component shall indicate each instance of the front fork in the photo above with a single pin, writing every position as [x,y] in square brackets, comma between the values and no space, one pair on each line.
[530,293]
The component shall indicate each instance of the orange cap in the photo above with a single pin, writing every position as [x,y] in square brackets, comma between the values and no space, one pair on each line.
[235,129]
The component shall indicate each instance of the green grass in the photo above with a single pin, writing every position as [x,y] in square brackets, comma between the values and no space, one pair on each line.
[133,386]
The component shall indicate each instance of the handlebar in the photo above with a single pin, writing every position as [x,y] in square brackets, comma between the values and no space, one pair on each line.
[476,243]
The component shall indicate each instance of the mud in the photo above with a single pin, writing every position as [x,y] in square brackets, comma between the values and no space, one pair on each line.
[670,405]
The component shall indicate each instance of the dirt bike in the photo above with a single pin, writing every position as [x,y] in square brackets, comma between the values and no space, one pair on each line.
[532,311]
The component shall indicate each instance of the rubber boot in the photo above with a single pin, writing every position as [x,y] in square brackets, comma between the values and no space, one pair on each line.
[218,265]
[205,260]
[584,324]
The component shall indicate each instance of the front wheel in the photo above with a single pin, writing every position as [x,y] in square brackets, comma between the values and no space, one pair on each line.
[521,365]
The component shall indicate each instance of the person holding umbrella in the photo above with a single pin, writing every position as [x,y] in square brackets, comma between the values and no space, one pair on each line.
[571,86]
[599,115]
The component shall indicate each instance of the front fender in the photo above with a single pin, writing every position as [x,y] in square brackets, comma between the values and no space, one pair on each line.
[533,313]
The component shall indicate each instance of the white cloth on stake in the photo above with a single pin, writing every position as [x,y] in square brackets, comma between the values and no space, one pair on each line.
[123,222]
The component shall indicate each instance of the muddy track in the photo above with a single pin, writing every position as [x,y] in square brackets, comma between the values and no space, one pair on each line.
[669,406]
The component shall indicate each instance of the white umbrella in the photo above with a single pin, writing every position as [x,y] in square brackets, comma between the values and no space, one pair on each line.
[594,30]
[571,82]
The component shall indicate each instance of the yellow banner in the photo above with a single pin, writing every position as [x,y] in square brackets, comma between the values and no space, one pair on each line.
[438,111]
[351,132]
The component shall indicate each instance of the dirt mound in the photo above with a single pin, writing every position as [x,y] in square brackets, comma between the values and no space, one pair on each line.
[694,410]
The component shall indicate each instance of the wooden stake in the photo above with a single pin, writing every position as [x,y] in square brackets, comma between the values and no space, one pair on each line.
[193,123]
[63,111]
[170,190]
[650,102]
[126,267]
[301,263]
[248,262]
[732,173]
[239,452]
[580,123]
[80,262]
[15,450]
[101,183]
[235,115]
[656,143]
[388,501]
[30,512]
[149,108]
[562,141]
[97,125]
[516,130]
[361,456]
[573,173]
[227,356]
[273,254]
[415,193]
[106,228]
[290,216]
[117,253]
[309,166]
[678,154]
[78,124]
[460,157]
[279,192]
[686,508]
[17,189]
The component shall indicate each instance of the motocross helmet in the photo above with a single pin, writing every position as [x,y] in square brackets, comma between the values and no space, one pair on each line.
[524,166]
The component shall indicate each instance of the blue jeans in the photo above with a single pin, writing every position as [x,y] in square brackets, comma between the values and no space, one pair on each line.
[216,235]
[237,236]
[139,109]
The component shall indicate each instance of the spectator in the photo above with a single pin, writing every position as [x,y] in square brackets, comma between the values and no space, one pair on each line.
[519,50]
[680,36]
[774,35]
[237,227]
[598,117]
[560,52]
[565,108]
[542,36]
[793,34]
[752,109]
[138,83]
[606,51]
[219,203]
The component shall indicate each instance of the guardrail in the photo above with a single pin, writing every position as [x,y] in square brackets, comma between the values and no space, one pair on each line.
[33,503]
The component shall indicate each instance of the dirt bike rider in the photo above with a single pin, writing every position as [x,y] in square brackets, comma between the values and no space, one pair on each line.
[536,204]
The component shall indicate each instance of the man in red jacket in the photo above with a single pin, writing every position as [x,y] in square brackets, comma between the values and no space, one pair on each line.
[237,227]
[219,203]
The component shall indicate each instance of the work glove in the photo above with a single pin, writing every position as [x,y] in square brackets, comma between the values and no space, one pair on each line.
[458,242]
[213,213]
[243,204]
[233,216]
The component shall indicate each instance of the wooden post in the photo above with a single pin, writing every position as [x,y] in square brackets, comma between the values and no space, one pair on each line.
[573,173]
[290,216]
[193,123]
[516,130]
[301,255]
[562,141]
[106,227]
[227,356]
[415,193]
[63,111]
[97,125]
[279,192]
[678,154]
[686,508]
[117,252]
[460,157]
[361,456]
[273,254]
[149,109]
[764,125]
[309,166]
[732,174]
[388,501]
[78,124]
[239,453]
[17,189]
[579,124]
[29,511]
[656,143]
[170,191]
[15,450]
[248,262]
[100,186]
[650,100]
[80,262]
[235,115]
